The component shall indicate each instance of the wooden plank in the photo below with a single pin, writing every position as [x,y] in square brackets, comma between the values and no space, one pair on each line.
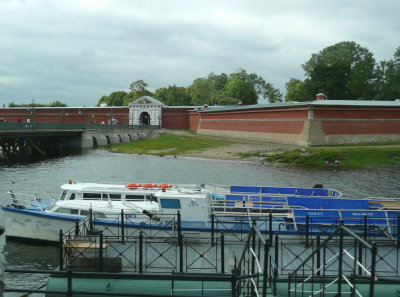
[84,245]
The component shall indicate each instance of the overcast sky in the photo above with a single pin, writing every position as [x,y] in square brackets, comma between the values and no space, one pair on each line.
[76,51]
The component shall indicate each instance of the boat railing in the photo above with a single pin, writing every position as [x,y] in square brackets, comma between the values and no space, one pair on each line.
[255,272]
[316,282]
[19,199]
[368,227]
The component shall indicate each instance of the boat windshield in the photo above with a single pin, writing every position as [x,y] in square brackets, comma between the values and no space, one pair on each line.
[63,195]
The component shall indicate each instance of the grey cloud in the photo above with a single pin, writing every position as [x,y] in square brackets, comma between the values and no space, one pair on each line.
[77,51]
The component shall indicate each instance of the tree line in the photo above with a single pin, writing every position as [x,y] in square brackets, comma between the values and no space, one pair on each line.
[215,89]
[347,71]
[344,71]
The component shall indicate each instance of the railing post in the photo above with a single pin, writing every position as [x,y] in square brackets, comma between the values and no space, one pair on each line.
[69,281]
[212,228]
[360,258]
[76,228]
[180,243]
[61,250]
[340,264]
[222,253]
[122,226]
[373,264]
[318,255]
[398,231]
[265,269]
[233,283]
[365,227]
[276,250]
[270,228]
[90,219]
[253,246]
[101,251]
[275,279]
[141,252]
[307,229]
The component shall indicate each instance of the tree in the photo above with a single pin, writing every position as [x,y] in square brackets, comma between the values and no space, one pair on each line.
[260,88]
[138,89]
[200,91]
[241,90]
[392,76]
[114,99]
[296,91]
[173,96]
[344,70]
[138,86]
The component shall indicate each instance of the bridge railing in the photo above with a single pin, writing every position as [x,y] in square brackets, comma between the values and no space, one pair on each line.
[76,127]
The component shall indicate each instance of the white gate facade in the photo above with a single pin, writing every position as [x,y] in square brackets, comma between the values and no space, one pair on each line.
[145,111]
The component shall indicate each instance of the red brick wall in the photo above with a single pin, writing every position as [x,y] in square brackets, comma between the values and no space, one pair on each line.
[69,115]
[175,118]
[271,120]
[351,112]
[194,120]
[358,120]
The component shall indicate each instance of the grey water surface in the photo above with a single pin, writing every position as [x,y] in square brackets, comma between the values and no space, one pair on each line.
[99,165]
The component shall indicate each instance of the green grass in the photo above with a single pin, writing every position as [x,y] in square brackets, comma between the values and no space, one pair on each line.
[168,144]
[345,157]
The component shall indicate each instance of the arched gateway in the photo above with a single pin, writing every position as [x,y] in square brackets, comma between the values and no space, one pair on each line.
[145,111]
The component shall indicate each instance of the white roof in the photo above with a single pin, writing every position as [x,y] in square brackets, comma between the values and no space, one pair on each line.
[145,100]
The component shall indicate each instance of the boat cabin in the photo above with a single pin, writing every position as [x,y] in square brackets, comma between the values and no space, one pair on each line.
[106,192]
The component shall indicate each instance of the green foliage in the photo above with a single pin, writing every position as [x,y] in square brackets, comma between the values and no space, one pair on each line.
[345,157]
[173,96]
[242,90]
[53,104]
[228,90]
[387,84]
[201,91]
[347,71]
[122,98]
[296,91]
[114,99]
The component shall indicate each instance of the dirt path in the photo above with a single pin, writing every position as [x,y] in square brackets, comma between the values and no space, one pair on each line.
[233,151]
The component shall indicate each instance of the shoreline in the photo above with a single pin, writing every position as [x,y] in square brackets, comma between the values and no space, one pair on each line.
[231,152]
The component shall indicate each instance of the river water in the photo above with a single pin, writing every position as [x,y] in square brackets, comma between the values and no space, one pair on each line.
[99,165]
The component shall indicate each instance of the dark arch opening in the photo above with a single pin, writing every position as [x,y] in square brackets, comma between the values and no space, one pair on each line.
[120,138]
[108,140]
[95,143]
[144,118]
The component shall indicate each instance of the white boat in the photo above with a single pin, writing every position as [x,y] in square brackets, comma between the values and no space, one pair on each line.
[202,209]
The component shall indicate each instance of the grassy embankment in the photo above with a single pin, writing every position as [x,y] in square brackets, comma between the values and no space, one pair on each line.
[169,144]
[339,156]
[344,156]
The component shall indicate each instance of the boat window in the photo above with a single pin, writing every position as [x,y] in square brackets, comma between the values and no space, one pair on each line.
[67,210]
[72,197]
[92,196]
[151,198]
[115,196]
[99,214]
[134,197]
[63,194]
[170,203]
[85,212]
[51,207]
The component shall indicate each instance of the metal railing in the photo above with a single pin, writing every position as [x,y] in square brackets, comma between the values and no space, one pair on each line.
[250,275]
[70,127]
[301,281]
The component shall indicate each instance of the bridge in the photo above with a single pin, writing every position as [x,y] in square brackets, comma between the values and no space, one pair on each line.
[21,141]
